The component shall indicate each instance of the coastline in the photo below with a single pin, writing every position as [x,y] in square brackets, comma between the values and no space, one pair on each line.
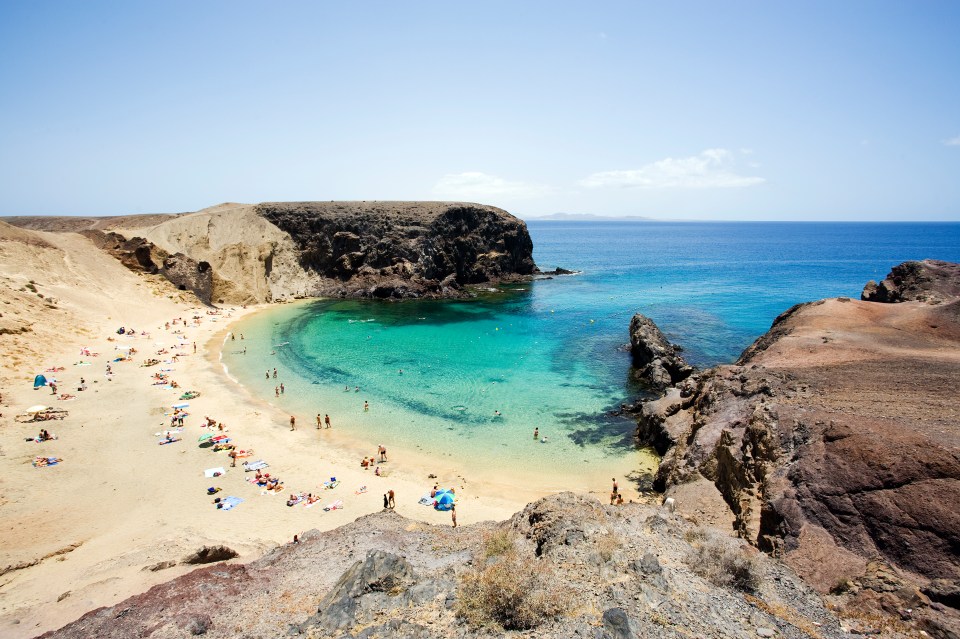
[119,504]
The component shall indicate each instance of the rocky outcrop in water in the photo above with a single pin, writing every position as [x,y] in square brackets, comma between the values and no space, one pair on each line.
[610,571]
[656,361]
[834,440]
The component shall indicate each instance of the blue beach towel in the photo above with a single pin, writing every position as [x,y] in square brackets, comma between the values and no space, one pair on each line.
[228,503]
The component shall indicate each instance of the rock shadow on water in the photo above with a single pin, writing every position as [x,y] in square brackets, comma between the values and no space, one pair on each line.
[613,432]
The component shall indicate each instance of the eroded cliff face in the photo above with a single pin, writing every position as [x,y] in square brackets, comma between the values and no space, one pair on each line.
[835,438]
[403,249]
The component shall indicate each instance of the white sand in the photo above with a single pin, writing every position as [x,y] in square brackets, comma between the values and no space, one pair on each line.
[119,502]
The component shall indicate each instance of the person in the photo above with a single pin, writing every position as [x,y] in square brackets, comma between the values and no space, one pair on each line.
[616,488]
[377,471]
[619,499]
[53,388]
[326,420]
[244,350]
[383,452]
[390,500]
[318,421]
[276,391]
[613,498]
[274,373]
[386,502]
[83,384]
[241,337]
[194,348]
[496,413]
[366,406]
[536,432]
[433,493]
[453,515]
[293,423]
[232,337]
[282,389]
[233,458]
[364,464]
[268,374]
[356,390]
[296,539]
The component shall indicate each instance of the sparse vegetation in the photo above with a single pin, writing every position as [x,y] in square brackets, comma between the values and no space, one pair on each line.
[721,561]
[607,545]
[497,543]
[510,591]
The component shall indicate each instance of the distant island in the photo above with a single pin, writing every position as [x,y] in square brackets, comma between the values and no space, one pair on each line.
[590,217]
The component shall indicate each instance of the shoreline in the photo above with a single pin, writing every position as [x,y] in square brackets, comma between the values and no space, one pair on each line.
[151,502]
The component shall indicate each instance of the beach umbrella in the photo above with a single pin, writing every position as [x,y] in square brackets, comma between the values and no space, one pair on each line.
[204,438]
[36,409]
[180,405]
[444,500]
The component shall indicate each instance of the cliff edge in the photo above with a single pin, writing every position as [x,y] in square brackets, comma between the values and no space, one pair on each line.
[835,439]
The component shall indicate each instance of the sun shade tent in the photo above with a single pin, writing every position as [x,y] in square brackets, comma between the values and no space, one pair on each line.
[39,380]
[444,500]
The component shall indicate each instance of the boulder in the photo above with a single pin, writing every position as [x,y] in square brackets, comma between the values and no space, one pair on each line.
[658,363]
[210,554]
[931,281]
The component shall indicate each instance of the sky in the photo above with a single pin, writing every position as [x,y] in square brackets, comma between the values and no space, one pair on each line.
[743,110]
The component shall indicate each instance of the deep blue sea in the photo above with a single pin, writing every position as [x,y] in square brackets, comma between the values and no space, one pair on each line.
[550,353]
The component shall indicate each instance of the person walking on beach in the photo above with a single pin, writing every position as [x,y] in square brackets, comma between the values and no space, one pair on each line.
[453,515]
[386,503]
[326,420]
[383,452]
[390,500]
[293,423]
[318,421]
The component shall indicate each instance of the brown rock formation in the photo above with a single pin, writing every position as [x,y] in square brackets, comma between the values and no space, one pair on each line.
[931,281]
[835,434]
[656,361]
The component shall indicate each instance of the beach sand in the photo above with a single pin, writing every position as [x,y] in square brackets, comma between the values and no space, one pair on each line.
[86,532]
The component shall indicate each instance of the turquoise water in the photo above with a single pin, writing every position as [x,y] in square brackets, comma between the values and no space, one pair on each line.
[549,353]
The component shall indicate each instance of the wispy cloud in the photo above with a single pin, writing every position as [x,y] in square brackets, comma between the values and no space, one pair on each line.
[955,141]
[711,169]
[472,185]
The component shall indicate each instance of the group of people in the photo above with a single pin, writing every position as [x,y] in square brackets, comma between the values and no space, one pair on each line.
[616,497]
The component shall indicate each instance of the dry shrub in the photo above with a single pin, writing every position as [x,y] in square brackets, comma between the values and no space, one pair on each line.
[720,560]
[511,592]
[497,543]
[607,545]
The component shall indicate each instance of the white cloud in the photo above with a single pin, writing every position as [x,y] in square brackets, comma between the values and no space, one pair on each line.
[712,169]
[955,141]
[474,185]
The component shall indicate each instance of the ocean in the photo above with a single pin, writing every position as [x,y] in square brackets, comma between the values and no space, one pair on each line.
[466,382]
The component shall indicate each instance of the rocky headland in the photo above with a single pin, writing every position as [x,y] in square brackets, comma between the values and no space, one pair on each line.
[834,441]
[239,254]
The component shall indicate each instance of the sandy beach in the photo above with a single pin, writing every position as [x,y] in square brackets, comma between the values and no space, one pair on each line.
[80,534]
[86,532]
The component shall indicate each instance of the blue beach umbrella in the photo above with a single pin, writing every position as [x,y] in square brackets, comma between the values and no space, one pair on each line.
[444,500]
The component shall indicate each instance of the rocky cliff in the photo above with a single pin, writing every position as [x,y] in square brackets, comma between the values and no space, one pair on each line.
[835,439]
[237,253]
[565,566]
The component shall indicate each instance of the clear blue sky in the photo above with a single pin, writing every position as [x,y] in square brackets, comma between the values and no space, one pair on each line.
[742,110]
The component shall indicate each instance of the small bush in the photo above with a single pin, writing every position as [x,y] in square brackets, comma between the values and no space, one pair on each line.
[497,543]
[511,592]
[607,545]
[720,560]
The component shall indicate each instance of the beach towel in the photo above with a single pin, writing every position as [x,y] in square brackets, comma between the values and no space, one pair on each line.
[43,462]
[330,485]
[426,500]
[214,472]
[334,506]
[227,503]
[244,453]
[169,441]
[257,465]
[360,490]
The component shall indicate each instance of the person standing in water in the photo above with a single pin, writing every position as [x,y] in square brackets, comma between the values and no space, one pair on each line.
[326,420]
[536,432]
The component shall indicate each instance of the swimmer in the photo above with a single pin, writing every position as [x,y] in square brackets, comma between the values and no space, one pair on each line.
[536,433]
[366,407]
[496,413]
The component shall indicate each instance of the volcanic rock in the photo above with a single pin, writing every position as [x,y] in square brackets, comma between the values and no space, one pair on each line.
[658,363]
